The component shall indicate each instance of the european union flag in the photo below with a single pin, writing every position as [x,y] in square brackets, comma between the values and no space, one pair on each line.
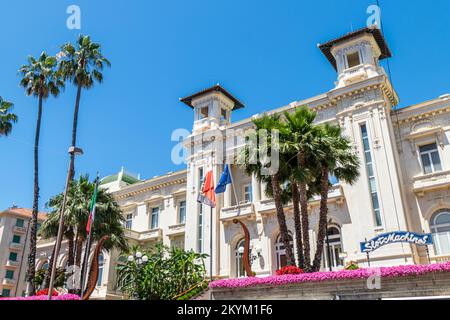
[225,179]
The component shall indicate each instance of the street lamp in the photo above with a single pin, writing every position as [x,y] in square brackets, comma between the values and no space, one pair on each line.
[139,258]
[73,151]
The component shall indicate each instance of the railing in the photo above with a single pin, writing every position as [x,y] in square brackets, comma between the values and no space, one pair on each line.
[146,235]
[440,259]
[8,282]
[198,285]
[10,263]
[176,229]
[15,246]
[335,195]
[230,213]
[431,181]
[17,229]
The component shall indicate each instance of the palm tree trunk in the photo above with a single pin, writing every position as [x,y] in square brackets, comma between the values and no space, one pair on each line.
[70,245]
[304,214]
[34,218]
[282,220]
[324,185]
[78,251]
[298,225]
[74,131]
[48,273]
[70,256]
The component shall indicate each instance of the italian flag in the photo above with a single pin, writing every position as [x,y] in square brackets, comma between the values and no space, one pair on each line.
[92,209]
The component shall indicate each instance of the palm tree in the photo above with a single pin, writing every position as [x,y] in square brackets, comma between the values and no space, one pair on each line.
[108,218]
[302,143]
[6,117]
[276,179]
[39,79]
[336,158]
[81,64]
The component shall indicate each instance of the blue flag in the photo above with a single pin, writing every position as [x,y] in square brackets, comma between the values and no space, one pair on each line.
[225,179]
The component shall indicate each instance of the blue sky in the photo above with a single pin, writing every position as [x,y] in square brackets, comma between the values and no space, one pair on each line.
[264,52]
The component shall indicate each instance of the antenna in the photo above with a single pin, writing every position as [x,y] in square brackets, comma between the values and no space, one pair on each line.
[390,79]
[382,31]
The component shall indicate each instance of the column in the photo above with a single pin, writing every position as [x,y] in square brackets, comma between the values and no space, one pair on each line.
[256,191]
[227,197]
[263,190]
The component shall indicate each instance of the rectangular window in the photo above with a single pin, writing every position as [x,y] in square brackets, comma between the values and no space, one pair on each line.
[200,228]
[353,59]
[200,179]
[12,256]
[154,218]
[200,214]
[129,221]
[223,114]
[6,292]
[371,175]
[429,156]
[203,113]
[16,239]
[248,193]
[9,274]
[182,212]
[20,223]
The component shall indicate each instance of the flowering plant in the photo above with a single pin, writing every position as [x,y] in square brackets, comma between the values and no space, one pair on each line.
[58,298]
[44,292]
[289,270]
[387,272]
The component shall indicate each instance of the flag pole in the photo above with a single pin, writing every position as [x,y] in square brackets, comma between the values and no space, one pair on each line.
[88,247]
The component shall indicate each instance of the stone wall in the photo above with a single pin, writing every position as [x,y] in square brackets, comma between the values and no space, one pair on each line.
[430,285]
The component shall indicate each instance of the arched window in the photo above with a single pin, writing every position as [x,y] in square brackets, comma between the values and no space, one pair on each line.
[101,261]
[333,248]
[440,228]
[281,252]
[45,266]
[239,254]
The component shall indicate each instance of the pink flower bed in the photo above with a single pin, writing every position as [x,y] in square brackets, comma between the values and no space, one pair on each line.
[61,297]
[385,272]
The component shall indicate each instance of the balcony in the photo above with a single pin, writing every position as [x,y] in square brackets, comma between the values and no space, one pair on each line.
[175,230]
[15,246]
[335,195]
[432,181]
[8,282]
[153,234]
[246,210]
[20,230]
[12,264]
[440,259]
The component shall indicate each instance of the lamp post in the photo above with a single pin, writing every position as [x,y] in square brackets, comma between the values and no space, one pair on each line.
[139,258]
[73,151]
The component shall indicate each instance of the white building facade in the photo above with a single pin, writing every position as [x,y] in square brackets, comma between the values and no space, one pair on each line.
[404,182]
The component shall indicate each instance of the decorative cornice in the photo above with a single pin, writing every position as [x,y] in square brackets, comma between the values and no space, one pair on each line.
[152,188]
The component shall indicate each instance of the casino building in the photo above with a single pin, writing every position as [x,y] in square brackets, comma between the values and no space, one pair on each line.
[404,183]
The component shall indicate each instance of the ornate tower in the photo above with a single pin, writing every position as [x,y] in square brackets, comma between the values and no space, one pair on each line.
[363,98]
[212,115]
